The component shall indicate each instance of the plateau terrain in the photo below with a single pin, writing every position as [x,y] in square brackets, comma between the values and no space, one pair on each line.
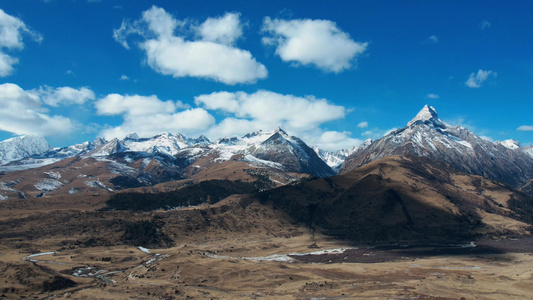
[265,216]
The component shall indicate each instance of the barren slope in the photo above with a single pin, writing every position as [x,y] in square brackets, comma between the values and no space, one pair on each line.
[405,198]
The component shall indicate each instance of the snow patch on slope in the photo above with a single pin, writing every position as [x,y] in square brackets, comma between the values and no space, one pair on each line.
[261,162]
[48,185]
[98,184]
[509,144]
[528,151]
[228,147]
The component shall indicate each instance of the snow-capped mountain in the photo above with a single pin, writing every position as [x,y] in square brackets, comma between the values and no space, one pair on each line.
[74,150]
[511,144]
[163,143]
[334,159]
[291,152]
[271,158]
[20,147]
[428,136]
[275,149]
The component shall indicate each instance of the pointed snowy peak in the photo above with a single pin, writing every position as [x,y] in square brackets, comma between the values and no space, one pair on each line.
[510,144]
[132,137]
[227,141]
[108,148]
[428,114]
[182,140]
[280,131]
[366,143]
[251,135]
[202,140]
[99,141]
[276,138]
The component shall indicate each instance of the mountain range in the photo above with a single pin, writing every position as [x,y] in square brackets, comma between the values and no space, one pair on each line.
[273,157]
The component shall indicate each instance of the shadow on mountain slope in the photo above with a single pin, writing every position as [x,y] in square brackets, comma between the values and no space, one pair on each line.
[404,199]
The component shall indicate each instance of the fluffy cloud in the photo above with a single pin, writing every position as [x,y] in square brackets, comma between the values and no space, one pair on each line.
[273,108]
[147,116]
[312,42]
[11,31]
[64,95]
[21,112]
[362,125]
[212,56]
[301,116]
[432,96]
[476,79]
[525,128]
[115,104]
[334,140]
[224,30]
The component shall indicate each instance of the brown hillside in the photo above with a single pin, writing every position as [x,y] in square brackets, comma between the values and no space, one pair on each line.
[404,199]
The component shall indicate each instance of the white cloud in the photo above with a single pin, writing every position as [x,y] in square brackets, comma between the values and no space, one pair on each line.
[236,127]
[335,140]
[525,128]
[124,77]
[11,31]
[224,30]
[432,96]
[312,42]
[160,22]
[300,116]
[64,95]
[484,24]
[362,125]
[115,104]
[21,112]
[273,108]
[211,57]
[367,133]
[147,116]
[180,58]
[433,39]
[6,64]
[476,79]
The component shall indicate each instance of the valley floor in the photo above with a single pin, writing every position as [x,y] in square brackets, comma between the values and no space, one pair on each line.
[208,263]
[250,268]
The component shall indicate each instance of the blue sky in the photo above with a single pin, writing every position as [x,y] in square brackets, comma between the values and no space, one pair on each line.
[331,72]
